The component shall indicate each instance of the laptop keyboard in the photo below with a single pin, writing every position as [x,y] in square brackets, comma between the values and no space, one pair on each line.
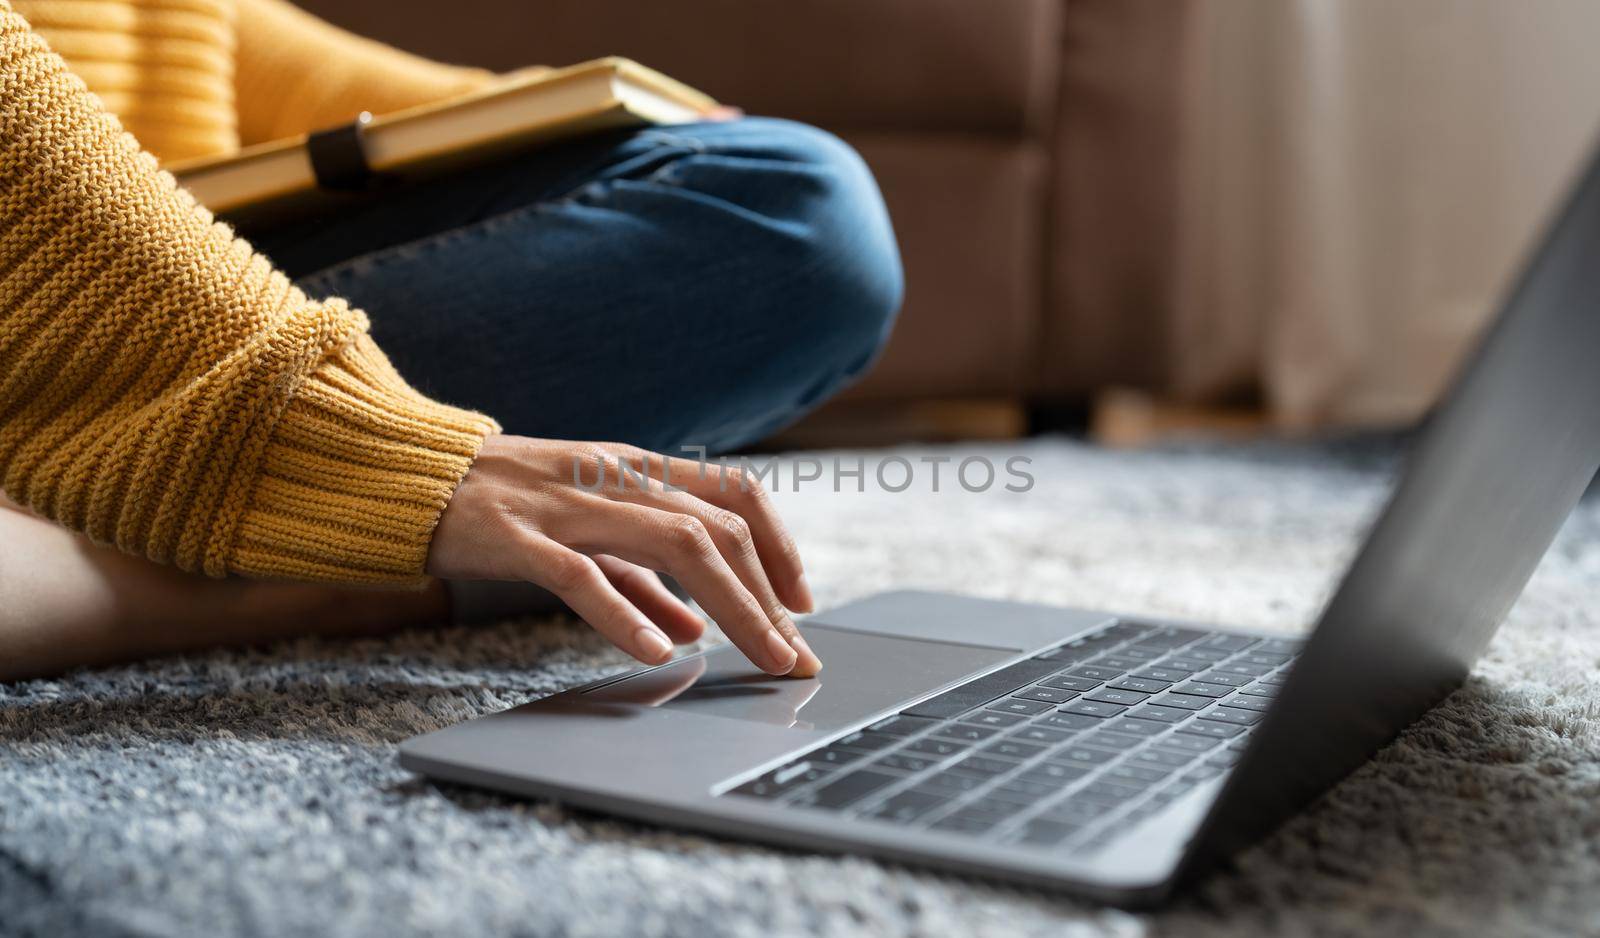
[1068,748]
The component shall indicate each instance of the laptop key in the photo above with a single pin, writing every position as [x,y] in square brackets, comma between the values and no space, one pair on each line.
[1187,743]
[835,755]
[1184,664]
[1231,715]
[1241,667]
[780,782]
[966,732]
[1164,757]
[1092,708]
[901,762]
[1195,653]
[1024,790]
[1183,701]
[933,747]
[1224,759]
[1079,649]
[1280,646]
[1229,642]
[906,806]
[994,718]
[1073,811]
[1155,714]
[867,741]
[1084,755]
[1273,679]
[1047,694]
[1136,775]
[1107,792]
[1222,677]
[1043,832]
[960,823]
[1141,653]
[977,692]
[1095,673]
[1257,657]
[978,817]
[1241,702]
[1170,675]
[1080,813]
[1068,682]
[902,725]
[952,782]
[1136,728]
[1117,661]
[1041,734]
[1170,637]
[1260,690]
[1213,730]
[1202,772]
[996,808]
[1017,705]
[1204,690]
[843,792]
[1112,695]
[1114,741]
[1068,721]
[1011,749]
[1055,774]
[982,766]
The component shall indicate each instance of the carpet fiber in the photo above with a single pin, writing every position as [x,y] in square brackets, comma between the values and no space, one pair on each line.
[257,792]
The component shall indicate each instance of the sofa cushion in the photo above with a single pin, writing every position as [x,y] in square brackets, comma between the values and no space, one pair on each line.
[1113,218]
[978,65]
[968,211]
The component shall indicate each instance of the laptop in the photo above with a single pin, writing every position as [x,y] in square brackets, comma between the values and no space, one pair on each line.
[1110,756]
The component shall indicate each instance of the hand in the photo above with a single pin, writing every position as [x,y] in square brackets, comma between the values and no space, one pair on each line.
[520,514]
[722,113]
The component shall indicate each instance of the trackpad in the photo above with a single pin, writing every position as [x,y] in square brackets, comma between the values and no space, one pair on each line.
[862,674]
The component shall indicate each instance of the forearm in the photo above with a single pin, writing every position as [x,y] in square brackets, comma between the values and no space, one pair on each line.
[164,389]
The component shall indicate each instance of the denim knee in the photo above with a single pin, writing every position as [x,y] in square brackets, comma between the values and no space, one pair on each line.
[842,277]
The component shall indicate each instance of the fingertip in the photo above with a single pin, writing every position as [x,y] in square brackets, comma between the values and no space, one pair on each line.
[650,646]
[804,669]
[806,664]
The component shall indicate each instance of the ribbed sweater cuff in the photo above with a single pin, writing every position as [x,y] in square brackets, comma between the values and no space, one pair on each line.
[354,478]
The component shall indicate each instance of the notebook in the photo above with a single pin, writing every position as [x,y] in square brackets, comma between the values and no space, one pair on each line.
[298,172]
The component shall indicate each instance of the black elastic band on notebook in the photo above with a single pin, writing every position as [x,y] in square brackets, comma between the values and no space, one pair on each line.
[339,156]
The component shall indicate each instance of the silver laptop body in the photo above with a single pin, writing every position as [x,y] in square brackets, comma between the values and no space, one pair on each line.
[1106,755]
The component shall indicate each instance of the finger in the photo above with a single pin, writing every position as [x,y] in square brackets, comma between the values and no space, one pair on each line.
[735,540]
[581,585]
[681,545]
[733,489]
[650,596]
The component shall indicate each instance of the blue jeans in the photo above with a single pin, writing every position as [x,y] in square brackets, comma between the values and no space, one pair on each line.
[690,285]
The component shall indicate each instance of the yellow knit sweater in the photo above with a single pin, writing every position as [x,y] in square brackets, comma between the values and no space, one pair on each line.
[162,387]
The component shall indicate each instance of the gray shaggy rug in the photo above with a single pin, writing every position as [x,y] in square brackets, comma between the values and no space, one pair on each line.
[257,793]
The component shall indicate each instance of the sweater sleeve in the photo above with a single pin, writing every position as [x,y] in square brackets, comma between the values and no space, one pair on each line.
[296,73]
[164,389]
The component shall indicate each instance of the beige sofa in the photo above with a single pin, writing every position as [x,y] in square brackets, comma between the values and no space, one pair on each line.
[1307,206]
